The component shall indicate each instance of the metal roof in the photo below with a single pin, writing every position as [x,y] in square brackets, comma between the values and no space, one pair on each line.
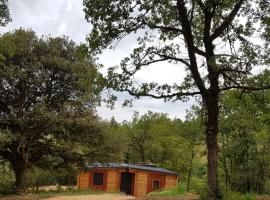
[130,166]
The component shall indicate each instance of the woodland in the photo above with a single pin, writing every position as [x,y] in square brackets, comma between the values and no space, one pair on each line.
[50,88]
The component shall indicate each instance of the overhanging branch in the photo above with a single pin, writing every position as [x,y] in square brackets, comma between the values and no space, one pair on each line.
[227,21]
[246,88]
[167,57]
[163,28]
[168,96]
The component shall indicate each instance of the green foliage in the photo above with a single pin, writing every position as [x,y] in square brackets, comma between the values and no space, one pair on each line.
[48,92]
[36,177]
[197,184]
[169,30]
[238,196]
[7,179]
[215,42]
[245,141]
[153,137]
[4,13]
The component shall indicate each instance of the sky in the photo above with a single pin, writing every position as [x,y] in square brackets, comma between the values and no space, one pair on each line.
[66,17]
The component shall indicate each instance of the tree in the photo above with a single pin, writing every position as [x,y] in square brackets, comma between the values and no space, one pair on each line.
[211,40]
[193,132]
[146,135]
[245,141]
[48,92]
[4,13]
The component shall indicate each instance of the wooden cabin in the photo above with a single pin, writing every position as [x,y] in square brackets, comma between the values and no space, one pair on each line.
[137,180]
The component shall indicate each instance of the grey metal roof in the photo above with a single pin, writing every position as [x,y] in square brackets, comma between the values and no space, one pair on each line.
[130,166]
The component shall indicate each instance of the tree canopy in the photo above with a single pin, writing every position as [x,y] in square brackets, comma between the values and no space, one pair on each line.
[48,96]
[4,13]
[215,43]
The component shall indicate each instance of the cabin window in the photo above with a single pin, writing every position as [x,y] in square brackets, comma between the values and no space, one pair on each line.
[156,185]
[98,179]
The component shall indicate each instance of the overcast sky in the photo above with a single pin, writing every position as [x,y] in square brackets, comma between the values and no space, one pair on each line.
[65,17]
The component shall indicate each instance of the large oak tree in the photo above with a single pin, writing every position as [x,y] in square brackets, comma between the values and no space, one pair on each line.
[48,90]
[216,42]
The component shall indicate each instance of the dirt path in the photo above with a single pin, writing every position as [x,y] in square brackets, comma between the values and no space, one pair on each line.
[93,197]
[119,197]
[103,197]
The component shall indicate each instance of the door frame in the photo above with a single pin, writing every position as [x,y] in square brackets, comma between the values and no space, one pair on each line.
[132,181]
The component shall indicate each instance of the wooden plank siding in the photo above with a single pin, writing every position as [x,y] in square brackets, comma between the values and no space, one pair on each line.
[171,182]
[83,180]
[142,182]
[112,181]
[155,177]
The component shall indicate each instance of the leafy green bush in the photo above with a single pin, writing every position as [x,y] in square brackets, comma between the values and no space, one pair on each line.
[197,184]
[36,177]
[6,181]
[267,187]
[229,195]
[238,196]
[203,193]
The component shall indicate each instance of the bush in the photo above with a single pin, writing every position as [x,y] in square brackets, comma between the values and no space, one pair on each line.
[238,196]
[229,195]
[6,181]
[203,193]
[267,187]
[36,177]
[197,184]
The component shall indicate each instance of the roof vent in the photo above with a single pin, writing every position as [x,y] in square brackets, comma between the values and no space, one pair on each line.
[146,164]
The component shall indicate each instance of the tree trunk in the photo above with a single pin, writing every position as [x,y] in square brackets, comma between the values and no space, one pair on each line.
[19,170]
[191,161]
[142,154]
[212,145]
[190,168]
[19,165]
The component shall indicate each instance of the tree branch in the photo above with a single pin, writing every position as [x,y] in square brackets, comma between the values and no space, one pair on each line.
[178,94]
[247,88]
[164,28]
[225,24]
[151,62]
[183,17]
[167,57]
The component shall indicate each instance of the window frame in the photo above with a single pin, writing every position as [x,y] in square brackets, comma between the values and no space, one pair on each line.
[153,185]
[102,179]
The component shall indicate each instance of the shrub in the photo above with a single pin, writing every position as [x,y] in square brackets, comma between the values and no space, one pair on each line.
[6,181]
[238,196]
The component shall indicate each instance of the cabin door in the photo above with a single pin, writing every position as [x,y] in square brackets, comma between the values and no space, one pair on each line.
[127,183]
